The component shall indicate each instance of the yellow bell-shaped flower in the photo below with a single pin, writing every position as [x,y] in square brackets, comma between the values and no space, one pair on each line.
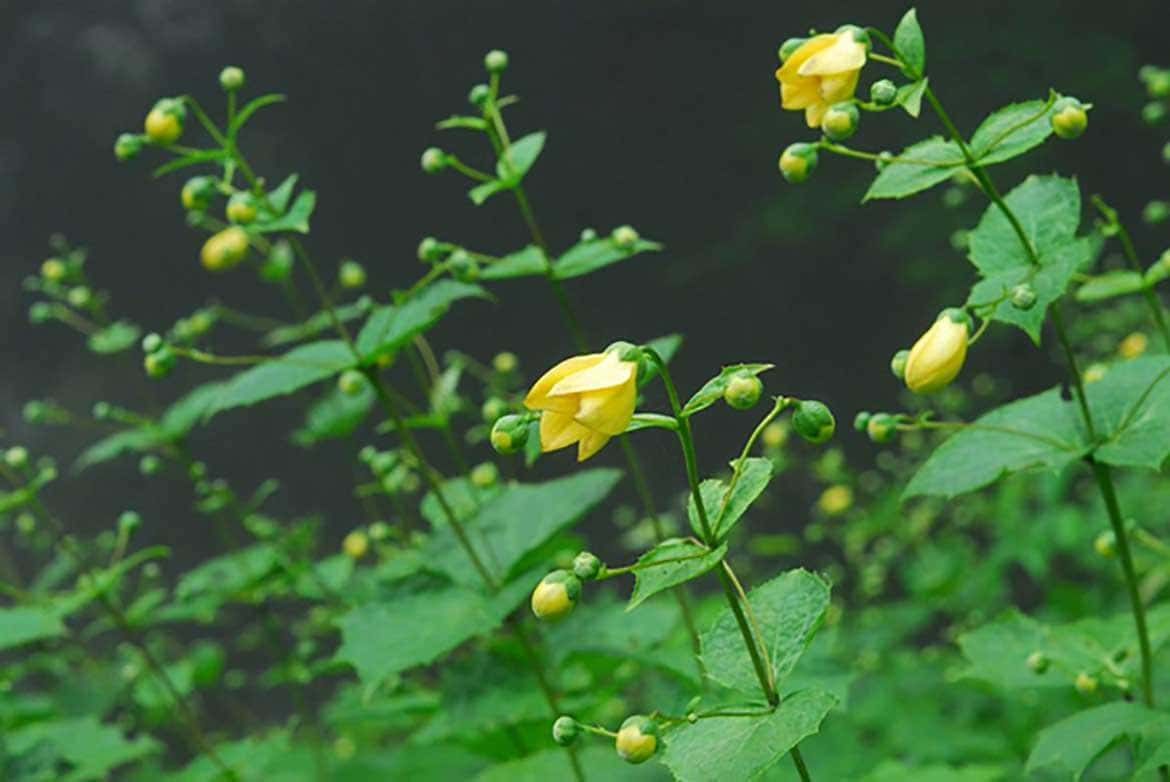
[822,71]
[584,400]
[937,357]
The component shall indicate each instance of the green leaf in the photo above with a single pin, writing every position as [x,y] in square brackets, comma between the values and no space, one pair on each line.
[910,45]
[389,328]
[789,610]
[229,575]
[114,338]
[592,254]
[693,558]
[90,748]
[896,771]
[463,122]
[114,445]
[917,168]
[553,764]
[910,97]
[525,263]
[278,199]
[520,158]
[186,413]
[518,520]
[250,108]
[1039,431]
[1131,406]
[295,219]
[186,161]
[317,323]
[723,511]
[712,390]
[486,190]
[744,748]
[1069,746]
[300,367]
[1012,131]
[1110,285]
[334,415]
[24,624]
[601,627]
[665,346]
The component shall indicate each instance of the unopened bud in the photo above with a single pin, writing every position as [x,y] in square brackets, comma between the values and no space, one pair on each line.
[637,739]
[127,146]
[798,162]
[1038,662]
[1023,296]
[225,250]
[164,123]
[356,544]
[351,275]
[813,421]
[586,566]
[898,364]
[1105,544]
[197,193]
[881,427]
[788,47]
[242,208]
[555,595]
[624,236]
[565,731]
[485,475]
[231,78]
[495,61]
[1069,118]
[883,92]
[509,434]
[433,160]
[840,121]
[351,382]
[743,391]
[1085,683]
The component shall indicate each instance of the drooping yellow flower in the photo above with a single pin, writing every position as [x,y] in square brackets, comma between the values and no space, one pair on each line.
[937,357]
[824,70]
[584,400]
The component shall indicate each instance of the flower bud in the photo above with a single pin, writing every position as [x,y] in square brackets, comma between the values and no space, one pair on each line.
[242,208]
[495,61]
[1069,118]
[40,312]
[505,362]
[1133,345]
[351,275]
[790,46]
[151,342]
[430,249]
[54,270]
[1158,83]
[1105,544]
[509,434]
[128,522]
[555,595]
[356,544]
[351,382]
[225,250]
[485,475]
[1023,296]
[101,411]
[279,264]
[835,500]
[565,731]
[1038,662]
[637,739]
[127,146]
[231,78]
[463,266]
[743,391]
[883,92]
[859,34]
[937,357]
[1166,152]
[164,123]
[16,457]
[861,421]
[798,162]
[586,566]
[479,94]
[813,421]
[159,363]
[840,121]
[898,364]
[881,427]
[1153,113]
[379,530]
[80,296]
[433,160]
[774,435]
[624,236]
[197,193]
[149,464]
[1085,684]
[492,409]
[1094,372]
[1156,212]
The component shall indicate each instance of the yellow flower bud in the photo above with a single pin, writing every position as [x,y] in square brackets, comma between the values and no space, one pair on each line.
[164,123]
[241,208]
[937,357]
[555,595]
[1133,346]
[584,400]
[798,161]
[1085,684]
[637,739]
[774,435]
[1105,544]
[356,544]
[54,270]
[1069,119]
[505,362]
[835,500]
[225,249]
[1094,372]
[822,71]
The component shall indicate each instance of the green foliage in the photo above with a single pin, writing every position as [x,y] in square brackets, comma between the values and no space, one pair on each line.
[671,563]
[918,167]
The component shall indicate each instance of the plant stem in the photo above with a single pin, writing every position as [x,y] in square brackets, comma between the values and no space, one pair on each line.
[1151,296]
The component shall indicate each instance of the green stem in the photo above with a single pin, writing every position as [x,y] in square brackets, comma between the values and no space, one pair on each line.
[1130,252]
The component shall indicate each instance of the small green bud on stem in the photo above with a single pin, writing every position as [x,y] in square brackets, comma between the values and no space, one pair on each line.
[743,391]
[231,78]
[814,421]
[798,161]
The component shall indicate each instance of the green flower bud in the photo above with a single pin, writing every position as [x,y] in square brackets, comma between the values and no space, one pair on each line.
[40,312]
[492,409]
[813,421]
[1156,212]
[1069,118]
[207,660]
[101,411]
[151,342]
[197,471]
[128,522]
[586,566]
[54,270]
[1153,113]
[565,731]
[34,411]
[351,382]
[485,475]
[861,421]
[149,464]
[1166,152]
[383,462]
[351,275]
[479,94]
[1158,83]
[774,435]
[26,523]
[463,266]
[433,160]
[881,427]
[840,121]
[743,391]
[637,739]
[80,296]
[859,34]
[430,249]
[379,531]
[356,544]
[883,92]
[555,595]
[884,158]
[242,208]
[495,61]
[279,264]
[197,193]
[16,457]
[225,250]
[1085,684]
[624,236]
[788,47]
[588,234]
[798,162]
[159,363]
[1038,662]
[164,123]
[1105,544]
[509,434]
[898,363]
[1023,296]
[231,78]
[505,362]
[127,146]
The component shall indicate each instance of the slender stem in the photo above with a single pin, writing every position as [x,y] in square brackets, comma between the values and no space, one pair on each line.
[1131,256]
[801,768]
[755,637]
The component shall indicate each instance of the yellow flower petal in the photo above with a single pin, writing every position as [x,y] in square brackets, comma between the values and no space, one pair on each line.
[559,431]
[814,113]
[807,50]
[611,371]
[591,444]
[609,410]
[842,54]
[537,398]
[839,87]
[799,94]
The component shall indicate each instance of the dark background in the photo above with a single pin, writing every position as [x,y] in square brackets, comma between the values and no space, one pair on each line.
[661,114]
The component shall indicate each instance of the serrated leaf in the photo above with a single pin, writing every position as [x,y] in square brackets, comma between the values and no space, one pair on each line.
[1069,746]
[712,390]
[295,219]
[390,327]
[24,624]
[680,561]
[1049,209]
[789,609]
[316,323]
[114,338]
[896,771]
[592,254]
[90,748]
[300,367]
[917,168]
[1012,131]
[553,764]
[525,263]
[1110,285]
[185,413]
[602,627]
[910,45]
[114,445]
[1131,407]
[334,415]
[520,157]
[744,748]
[723,510]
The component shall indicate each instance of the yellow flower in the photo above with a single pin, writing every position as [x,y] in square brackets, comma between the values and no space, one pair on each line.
[937,357]
[824,70]
[1133,345]
[584,400]
[637,739]
[555,595]
[835,500]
